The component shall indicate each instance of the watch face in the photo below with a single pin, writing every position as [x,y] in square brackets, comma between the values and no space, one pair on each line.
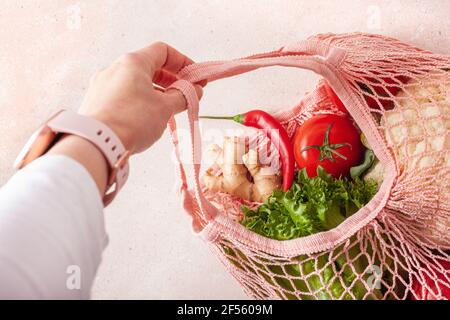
[35,146]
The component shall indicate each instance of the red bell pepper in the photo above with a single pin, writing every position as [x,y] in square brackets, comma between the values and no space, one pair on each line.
[335,99]
[429,291]
[381,90]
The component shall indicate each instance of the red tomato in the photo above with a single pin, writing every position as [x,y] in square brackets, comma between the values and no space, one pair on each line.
[429,294]
[330,141]
[334,98]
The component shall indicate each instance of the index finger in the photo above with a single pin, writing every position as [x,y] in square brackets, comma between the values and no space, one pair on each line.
[160,55]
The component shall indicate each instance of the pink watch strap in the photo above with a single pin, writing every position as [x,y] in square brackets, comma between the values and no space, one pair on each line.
[104,138]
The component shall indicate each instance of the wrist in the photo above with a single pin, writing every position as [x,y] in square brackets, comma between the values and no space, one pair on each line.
[87,154]
[121,130]
[86,140]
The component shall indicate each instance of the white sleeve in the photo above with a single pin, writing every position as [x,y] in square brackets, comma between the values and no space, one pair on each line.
[52,231]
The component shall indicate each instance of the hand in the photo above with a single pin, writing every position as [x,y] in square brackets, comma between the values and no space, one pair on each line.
[124,98]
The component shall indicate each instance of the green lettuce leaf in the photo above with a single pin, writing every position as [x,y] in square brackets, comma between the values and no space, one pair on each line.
[311,205]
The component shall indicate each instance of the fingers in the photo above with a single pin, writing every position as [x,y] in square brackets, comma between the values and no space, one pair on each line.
[162,56]
[202,83]
[175,99]
[164,78]
[164,62]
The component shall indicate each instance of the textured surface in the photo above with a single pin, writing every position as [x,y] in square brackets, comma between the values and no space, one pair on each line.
[50,49]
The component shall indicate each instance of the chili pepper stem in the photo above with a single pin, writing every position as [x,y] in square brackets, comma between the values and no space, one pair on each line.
[239,118]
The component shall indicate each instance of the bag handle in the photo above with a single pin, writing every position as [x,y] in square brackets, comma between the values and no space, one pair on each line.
[201,210]
[309,54]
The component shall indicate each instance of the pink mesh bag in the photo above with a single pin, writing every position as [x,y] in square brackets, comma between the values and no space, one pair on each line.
[397,246]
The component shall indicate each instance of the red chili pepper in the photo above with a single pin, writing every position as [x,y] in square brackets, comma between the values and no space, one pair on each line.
[277,135]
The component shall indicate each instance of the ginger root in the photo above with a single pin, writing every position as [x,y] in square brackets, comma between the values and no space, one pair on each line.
[242,174]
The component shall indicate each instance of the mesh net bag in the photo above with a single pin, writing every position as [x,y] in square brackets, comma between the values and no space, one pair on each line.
[395,247]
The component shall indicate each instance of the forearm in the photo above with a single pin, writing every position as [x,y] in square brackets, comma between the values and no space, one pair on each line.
[51,212]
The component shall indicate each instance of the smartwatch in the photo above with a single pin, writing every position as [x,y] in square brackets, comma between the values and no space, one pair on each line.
[69,122]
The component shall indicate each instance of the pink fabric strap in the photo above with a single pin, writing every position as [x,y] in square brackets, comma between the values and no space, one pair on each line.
[104,138]
[205,211]
[314,58]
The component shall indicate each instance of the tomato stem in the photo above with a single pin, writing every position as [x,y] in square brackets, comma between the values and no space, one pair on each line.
[326,149]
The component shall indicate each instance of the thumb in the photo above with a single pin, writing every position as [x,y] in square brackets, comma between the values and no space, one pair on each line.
[176,99]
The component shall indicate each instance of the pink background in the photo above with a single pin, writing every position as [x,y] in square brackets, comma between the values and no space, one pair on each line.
[49,49]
